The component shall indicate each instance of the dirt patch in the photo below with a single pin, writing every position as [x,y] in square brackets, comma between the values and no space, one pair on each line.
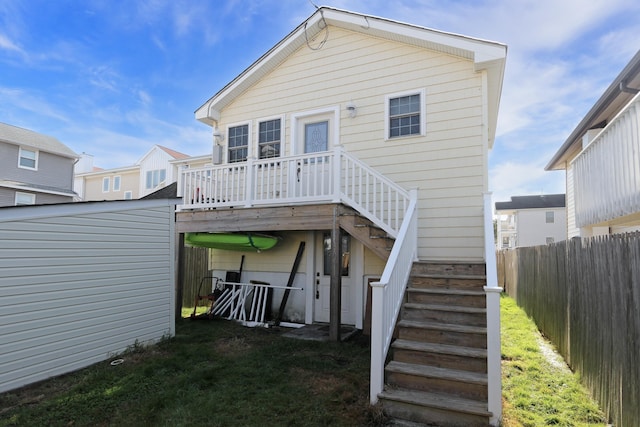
[232,346]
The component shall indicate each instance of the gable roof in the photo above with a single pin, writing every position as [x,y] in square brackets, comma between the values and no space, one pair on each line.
[486,55]
[173,153]
[532,202]
[28,138]
[617,95]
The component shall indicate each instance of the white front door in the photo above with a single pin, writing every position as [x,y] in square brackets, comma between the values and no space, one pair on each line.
[322,279]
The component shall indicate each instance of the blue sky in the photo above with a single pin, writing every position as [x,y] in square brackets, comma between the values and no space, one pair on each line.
[114,77]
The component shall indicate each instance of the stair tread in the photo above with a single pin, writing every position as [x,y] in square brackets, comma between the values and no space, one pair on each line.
[445,291]
[437,400]
[442,326]
[439,307]
[450,276]
[435,372]
[440,348]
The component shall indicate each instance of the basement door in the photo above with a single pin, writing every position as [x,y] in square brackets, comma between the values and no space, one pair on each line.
[323,279]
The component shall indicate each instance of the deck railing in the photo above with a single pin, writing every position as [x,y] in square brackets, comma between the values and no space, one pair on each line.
[607,172]
[388,292]
[326,177]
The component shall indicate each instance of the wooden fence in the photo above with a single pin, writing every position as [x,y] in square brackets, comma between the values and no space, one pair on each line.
[584,295]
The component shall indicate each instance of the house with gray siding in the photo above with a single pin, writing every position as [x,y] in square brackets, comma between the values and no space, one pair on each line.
[34,168]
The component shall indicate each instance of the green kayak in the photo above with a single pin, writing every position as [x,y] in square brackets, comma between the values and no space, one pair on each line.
[232,241]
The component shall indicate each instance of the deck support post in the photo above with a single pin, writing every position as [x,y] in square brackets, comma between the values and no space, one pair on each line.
[335,304]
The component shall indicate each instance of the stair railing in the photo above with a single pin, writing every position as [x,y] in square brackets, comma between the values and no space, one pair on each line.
[387,294]
[494,375]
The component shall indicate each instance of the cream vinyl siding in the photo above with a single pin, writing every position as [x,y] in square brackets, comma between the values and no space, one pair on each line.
[129,181]
[448,165]
[81,282]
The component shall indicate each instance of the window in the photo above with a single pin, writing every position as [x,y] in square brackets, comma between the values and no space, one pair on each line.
[549,240]
[106,183]
[116,183]
[269,139]
[550,217]
[128,195]
[155,178]
[405,115]
[28,159]
[345,253]
[238,143]
[25,198]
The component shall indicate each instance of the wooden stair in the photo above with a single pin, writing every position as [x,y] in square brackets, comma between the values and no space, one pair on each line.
[374,238]
[437,374]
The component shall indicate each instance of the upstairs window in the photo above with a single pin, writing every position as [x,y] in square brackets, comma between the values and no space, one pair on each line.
[116,183]
[28,159]
[155,178]
[550,218]
[269,139]
[106,183]
[405,115]
[238,143]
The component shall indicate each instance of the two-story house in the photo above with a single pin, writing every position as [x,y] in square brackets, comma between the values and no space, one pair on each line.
[600,158]
[361,145]
[531,221]
[34,168]
[152,172]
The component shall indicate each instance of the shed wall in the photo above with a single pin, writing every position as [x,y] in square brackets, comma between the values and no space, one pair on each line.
[79,283]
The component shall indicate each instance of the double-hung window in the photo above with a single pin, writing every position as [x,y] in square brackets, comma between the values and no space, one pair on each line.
[116,183]
[405,114]
[269,134]
[106,183]
[549,217]
[155,177]
[238,143]
[28,159]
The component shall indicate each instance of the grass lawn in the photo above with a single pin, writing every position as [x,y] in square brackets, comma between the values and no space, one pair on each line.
[218,373]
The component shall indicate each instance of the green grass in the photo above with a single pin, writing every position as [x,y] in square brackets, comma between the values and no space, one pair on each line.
[536,391]
[218,373]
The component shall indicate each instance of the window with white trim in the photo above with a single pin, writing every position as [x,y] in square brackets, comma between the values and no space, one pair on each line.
[238,141]
[25,198]
[269,133]
[106,183]
[28,159]
[549,217]
[154,178]
[128,195]
[116,183]
[405,114]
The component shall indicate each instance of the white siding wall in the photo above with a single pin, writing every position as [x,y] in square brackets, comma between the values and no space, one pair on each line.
[448,165]
[533,229]
[156,159]
[572,229]
[80,283]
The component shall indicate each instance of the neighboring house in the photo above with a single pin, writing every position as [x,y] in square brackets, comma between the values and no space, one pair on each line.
[357,133]
[531,221]
[149,174]
[34,168]
[600,158]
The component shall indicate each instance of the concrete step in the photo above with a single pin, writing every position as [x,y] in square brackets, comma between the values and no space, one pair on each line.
[440,355]
[473,316]
[433,408]
[454,382]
